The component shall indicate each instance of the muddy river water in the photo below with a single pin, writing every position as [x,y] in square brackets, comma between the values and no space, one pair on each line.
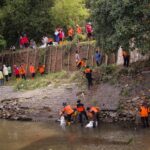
[50,136]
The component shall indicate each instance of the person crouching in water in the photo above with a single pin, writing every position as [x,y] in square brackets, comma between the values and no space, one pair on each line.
[144,113]
[93,113]
[81,112]
[68,112]
[88,75]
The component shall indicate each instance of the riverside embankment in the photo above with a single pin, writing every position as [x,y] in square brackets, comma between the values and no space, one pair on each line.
[118,102]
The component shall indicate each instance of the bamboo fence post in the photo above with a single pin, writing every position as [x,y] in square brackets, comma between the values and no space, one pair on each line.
[88,51]
[55,59]
[61,59]
[68,60]
[106,59]
[2,59]
[50,59]
[13,58]
[35,57]
[27,62]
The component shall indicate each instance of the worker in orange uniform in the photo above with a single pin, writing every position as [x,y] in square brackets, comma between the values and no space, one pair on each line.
[144,112]
[126,57]
[93,112]
[81,112]
[70,33]
[68,112]
[81,63]
[41,69]
[22,72]
[32,70]
[78,29]
[88,74]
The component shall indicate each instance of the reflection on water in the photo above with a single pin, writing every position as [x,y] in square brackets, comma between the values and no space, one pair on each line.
[49,136]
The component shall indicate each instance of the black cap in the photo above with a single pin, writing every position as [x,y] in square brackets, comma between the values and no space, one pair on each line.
[64,104]
[78,101]
[88,108]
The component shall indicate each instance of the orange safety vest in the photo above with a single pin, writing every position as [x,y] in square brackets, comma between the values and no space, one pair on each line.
[79,30]
[82,63]
[22,70]
[50,40]
[41,69]
[88,70]
[32,69]
[80,108]
[68,110]
[95,109]
[70,32]
[143,111]
[125,53]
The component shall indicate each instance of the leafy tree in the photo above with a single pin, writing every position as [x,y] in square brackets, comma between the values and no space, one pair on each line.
[25,16]
[2,2]
[69,12]
[122,22]
[2,42]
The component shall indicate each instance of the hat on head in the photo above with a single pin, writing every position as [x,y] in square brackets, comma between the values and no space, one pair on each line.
[78,101]
[64,103]
[88,108]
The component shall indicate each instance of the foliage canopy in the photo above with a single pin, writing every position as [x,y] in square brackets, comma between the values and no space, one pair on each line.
[69,12]
[25,16]
[122,22]
[2,42]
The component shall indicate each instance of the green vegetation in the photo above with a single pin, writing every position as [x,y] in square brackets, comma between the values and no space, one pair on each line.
[120,23]
[69,13]
[111,74]
[2,43]
[116,23]
[38,18]
[54,79]
[25,16]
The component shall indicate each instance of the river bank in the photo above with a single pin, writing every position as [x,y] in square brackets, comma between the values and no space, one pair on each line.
[118,92]
[118,102]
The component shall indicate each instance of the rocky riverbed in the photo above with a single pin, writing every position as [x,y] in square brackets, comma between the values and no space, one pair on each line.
[117,102]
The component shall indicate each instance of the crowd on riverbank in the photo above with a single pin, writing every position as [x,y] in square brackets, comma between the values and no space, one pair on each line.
[58,38]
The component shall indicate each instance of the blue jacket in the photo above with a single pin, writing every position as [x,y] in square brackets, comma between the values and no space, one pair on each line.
[97,56]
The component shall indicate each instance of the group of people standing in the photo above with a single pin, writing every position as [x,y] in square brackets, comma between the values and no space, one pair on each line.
[80,114]
[20,71]
[60,36]
[24,42]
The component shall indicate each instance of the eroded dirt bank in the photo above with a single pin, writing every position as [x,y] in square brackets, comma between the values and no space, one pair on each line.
[118,102]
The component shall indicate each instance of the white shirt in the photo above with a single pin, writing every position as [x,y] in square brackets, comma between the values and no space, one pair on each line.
[77,57]
[5,71]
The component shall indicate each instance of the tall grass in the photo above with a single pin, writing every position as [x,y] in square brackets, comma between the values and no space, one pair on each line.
[40,81]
